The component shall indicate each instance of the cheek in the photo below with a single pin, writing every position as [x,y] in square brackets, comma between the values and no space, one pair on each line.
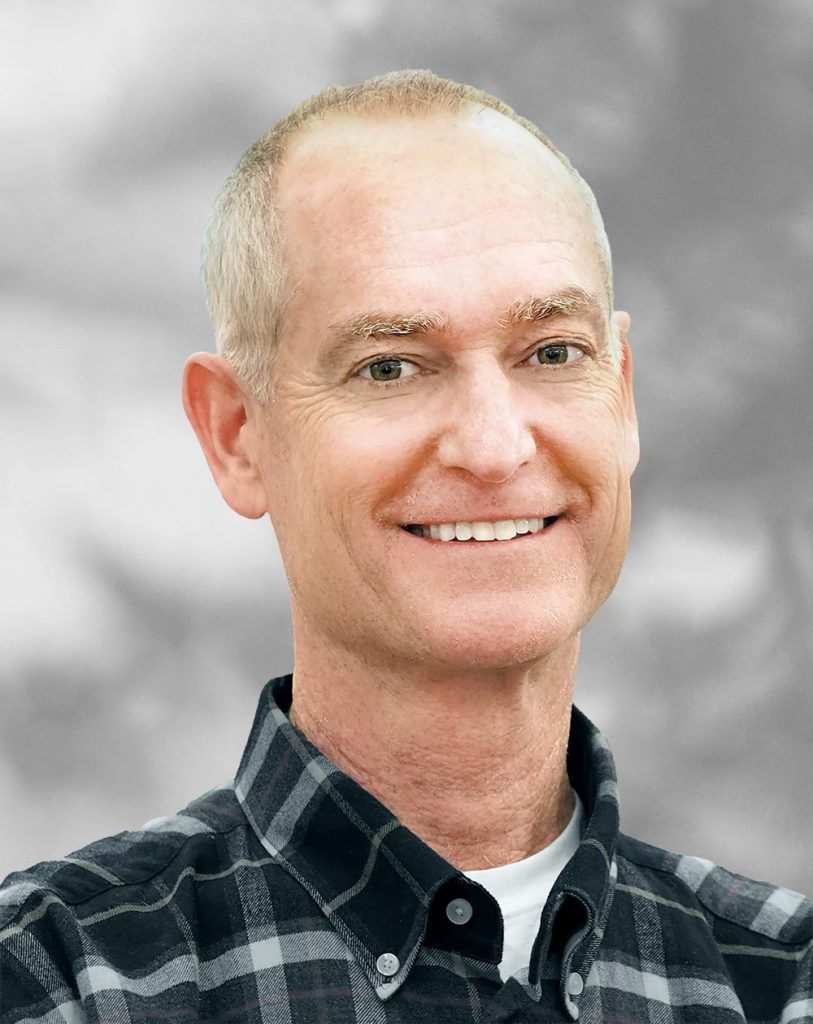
[593,454]
[352,464]
[594,429]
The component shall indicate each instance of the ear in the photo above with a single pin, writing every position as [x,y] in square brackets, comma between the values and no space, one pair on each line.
[222,415]
[621,325]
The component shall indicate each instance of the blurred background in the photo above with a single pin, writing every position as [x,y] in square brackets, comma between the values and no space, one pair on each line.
[140,617]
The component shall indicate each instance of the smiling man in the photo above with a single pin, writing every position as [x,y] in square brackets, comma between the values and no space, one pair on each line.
[424,384]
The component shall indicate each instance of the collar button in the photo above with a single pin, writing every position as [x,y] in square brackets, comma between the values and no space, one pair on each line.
[459,911]
[388,964]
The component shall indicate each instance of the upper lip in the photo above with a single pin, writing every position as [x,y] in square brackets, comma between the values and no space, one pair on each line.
[487,517]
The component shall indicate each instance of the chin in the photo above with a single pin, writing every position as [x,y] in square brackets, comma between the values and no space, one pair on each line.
[495,644]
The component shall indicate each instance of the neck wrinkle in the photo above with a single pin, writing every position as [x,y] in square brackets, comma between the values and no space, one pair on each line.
[474,765]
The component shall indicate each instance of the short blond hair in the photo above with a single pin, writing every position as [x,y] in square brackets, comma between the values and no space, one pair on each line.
[243,266]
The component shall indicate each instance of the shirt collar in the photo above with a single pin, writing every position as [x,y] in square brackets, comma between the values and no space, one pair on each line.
[583,893]
[376,881]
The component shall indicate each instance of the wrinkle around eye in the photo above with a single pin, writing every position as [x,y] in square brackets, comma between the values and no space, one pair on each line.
[583,356]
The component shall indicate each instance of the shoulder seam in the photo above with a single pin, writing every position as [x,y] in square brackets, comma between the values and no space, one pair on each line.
[715,912]
[44,888]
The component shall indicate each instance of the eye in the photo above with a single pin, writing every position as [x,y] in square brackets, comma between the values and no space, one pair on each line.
[389,369]
[558,353]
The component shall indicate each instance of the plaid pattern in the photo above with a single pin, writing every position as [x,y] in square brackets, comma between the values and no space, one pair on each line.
[295,896]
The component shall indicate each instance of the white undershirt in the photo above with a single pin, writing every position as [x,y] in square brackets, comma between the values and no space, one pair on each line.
[522,889]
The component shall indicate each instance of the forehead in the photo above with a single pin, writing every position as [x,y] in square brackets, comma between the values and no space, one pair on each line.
[342,134]
[424,202]
[345,154]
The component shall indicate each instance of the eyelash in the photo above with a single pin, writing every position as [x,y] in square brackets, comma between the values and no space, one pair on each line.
[401,381]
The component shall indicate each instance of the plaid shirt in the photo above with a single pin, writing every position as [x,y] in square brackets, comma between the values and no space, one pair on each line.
[293,895]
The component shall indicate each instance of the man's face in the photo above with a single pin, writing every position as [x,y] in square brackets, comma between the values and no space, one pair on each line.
[420,382]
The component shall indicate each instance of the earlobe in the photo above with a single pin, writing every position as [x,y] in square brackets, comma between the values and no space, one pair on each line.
[221,414]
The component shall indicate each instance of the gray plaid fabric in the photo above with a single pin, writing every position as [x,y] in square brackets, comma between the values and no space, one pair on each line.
[292,895]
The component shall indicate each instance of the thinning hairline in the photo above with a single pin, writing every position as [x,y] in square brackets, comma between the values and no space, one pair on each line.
[386,110]
[252,345]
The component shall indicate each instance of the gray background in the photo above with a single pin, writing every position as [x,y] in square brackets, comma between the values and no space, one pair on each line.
[140,616]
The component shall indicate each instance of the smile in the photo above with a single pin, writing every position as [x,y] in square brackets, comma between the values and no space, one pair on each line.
[502,529]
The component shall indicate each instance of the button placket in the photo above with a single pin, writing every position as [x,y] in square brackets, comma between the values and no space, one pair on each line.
[573,981]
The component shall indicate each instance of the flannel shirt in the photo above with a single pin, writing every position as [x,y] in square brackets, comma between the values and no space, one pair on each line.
[293,895]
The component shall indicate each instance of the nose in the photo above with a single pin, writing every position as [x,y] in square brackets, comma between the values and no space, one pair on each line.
[486,429]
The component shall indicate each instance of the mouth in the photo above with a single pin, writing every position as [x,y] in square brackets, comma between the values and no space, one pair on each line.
[479,532]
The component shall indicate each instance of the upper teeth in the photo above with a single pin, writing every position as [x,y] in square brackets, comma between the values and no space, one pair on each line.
[503,529]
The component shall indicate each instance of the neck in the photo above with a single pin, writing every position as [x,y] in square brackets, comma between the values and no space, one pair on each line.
[473,762]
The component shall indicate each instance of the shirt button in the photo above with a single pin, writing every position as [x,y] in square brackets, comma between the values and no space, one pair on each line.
[459,911]
[575,984]
[388,964]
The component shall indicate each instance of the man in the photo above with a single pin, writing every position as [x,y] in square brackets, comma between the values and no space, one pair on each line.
[424,384]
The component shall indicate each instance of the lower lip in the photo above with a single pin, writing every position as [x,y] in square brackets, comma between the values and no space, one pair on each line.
[465,545]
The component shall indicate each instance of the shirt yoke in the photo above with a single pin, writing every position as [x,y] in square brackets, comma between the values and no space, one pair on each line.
[735,907]
[127,860]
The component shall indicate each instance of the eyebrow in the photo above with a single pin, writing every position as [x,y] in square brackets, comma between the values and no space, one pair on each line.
[565,303]
[384,325]
[380,324]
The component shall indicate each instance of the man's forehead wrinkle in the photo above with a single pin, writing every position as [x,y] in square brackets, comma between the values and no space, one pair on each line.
[416,246]
[409,262]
